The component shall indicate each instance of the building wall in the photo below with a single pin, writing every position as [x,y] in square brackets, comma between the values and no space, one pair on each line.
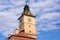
[24,25]
[27,17]
[21,23]
[29,26]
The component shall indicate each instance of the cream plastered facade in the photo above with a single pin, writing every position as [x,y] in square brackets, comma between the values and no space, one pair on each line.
[28,26]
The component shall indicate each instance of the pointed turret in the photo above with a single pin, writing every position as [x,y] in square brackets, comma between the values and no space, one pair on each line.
[26,11]
[26,7]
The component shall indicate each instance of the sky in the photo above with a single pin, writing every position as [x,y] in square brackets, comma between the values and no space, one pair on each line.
[47,14]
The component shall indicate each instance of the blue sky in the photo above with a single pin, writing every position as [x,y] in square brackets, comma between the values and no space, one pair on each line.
[47,14]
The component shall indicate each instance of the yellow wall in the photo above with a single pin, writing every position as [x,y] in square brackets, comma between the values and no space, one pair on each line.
[27,17]
[25,25]
[32,25]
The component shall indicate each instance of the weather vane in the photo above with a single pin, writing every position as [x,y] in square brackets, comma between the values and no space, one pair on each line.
[27,1]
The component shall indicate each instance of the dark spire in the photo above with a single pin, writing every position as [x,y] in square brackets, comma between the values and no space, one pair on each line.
[26,11]
[26,7]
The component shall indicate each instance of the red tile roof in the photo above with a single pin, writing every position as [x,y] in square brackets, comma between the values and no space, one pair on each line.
[21,34]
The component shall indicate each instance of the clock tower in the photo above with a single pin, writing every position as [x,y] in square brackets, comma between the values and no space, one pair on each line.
[27,22]
[26,30]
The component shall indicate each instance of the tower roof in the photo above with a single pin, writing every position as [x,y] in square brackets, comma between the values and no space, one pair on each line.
[21,34]
[26,11]
[26,7]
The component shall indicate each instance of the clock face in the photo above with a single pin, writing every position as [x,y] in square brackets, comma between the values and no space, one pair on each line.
[29,20]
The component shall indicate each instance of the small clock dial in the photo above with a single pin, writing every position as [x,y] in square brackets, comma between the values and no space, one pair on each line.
[29,20]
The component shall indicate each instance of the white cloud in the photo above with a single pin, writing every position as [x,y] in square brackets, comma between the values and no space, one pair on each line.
[8,22]
[50,15]
[48,21]
[9,18]
[17,2]
[10,10]
[44,6]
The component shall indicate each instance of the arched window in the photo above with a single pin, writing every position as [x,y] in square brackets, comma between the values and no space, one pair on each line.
[29,25]
[29,20]
[29,31]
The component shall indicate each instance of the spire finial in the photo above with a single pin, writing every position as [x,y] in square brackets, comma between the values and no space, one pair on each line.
[26,6]
[27,1]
